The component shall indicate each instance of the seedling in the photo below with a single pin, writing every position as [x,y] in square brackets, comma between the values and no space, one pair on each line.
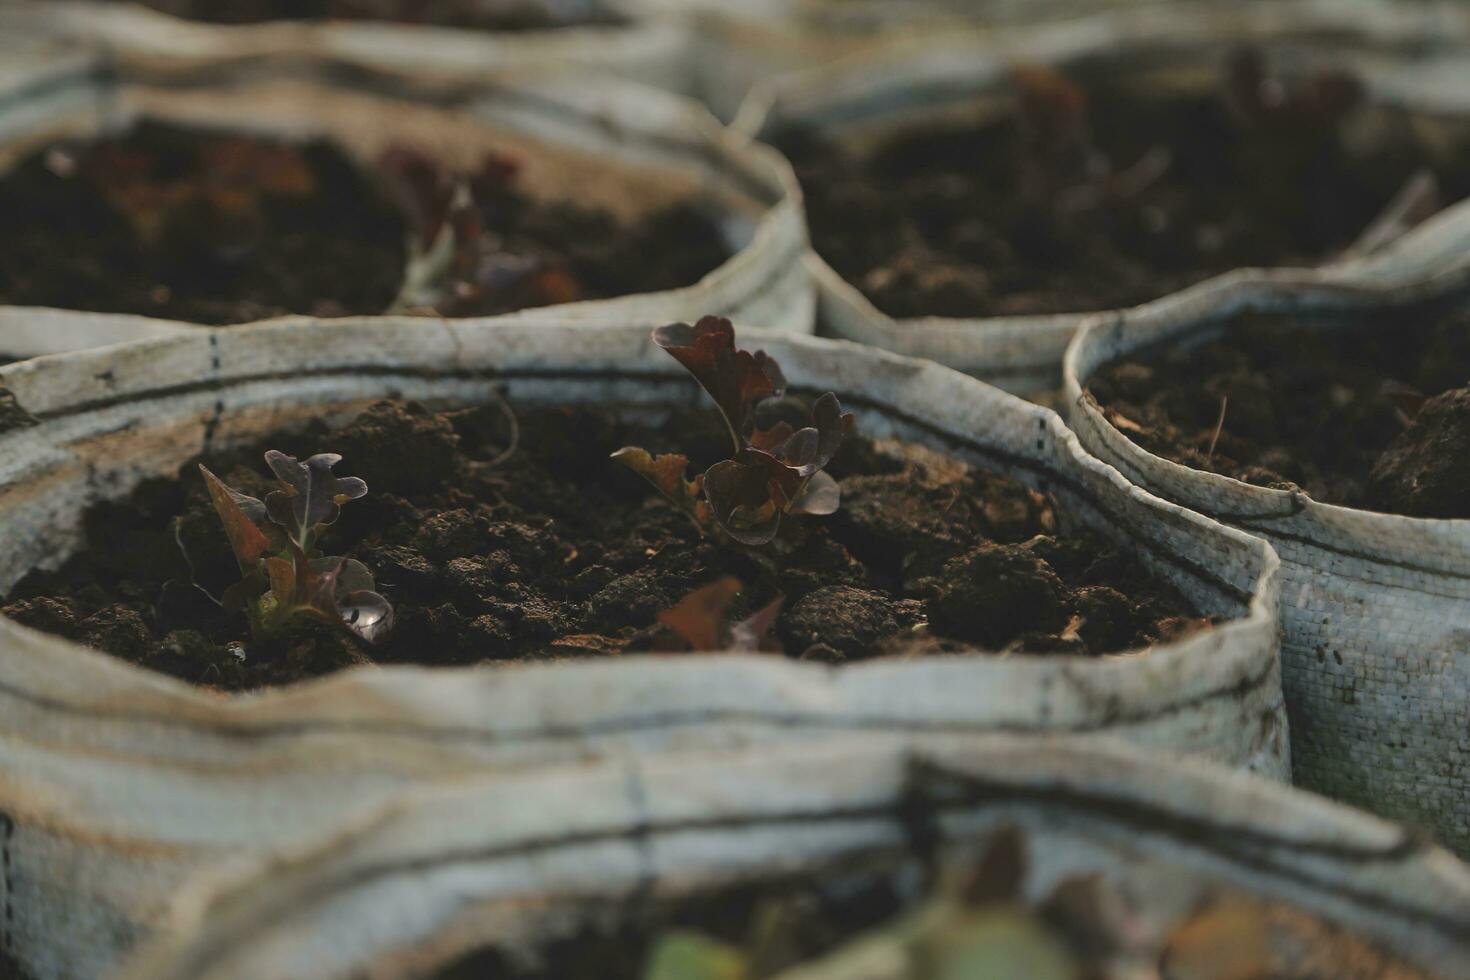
[285,580]
[456,266]
[702,620]
[772,472]
[1059,162]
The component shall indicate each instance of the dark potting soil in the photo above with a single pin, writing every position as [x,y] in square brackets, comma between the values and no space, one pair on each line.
[197,226]
[1333,412]
[556,551]
[964,222]
[189,225]
[483,15]
[782,925]
[812,915]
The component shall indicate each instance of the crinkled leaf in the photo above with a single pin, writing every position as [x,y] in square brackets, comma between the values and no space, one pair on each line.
[246,524]
[313,497]
[739,495]
[667,474]
[736,379]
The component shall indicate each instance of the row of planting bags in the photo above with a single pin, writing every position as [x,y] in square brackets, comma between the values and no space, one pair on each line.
[383,822]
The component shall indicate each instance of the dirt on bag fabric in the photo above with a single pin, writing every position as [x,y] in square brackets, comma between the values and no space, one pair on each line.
[556,551]
[1373,415]
[1162,192]
[210,228]
[484,15]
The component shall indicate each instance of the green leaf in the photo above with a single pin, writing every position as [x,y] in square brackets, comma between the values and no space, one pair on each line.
[689,956]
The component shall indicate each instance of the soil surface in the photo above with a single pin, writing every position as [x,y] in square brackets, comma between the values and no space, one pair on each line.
[813,915]
[190,225]
[196,226]
[484,15]
[1333,412]
[555,551]
[967,221]
[785,924]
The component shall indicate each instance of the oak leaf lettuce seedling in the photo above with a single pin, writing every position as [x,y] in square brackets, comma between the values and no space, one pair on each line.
[457,266]
[702,620]
[284,579]
[772,472]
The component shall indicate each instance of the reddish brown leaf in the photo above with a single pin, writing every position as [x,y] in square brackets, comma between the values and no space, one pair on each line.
[739,492]
[736,379]
[666,473]
[241,516]
[699,618]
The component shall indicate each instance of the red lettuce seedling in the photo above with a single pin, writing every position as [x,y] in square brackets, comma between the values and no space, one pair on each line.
[702,620]
[773,471]
[284,578]
[456,265]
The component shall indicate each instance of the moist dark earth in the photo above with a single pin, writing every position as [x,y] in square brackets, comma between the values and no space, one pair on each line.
[190,225]
[957,221]
[84,230]
[784,923]
[814,915]
[556,551]
[485,15]
[1332,411]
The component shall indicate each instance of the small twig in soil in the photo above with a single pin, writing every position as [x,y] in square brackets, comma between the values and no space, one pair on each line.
[1416,202]
[1219,426]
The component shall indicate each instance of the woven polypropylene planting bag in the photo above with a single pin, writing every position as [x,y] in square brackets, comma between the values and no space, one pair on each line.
[1376,653]
[1168,49]
[115,781]
[643,44]
[589,139]
[510,863]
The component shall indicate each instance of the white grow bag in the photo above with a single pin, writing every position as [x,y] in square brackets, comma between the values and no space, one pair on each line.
[1376,607]
[867,99]
[512,862]
[591,139]
[647,46]
[114,781]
